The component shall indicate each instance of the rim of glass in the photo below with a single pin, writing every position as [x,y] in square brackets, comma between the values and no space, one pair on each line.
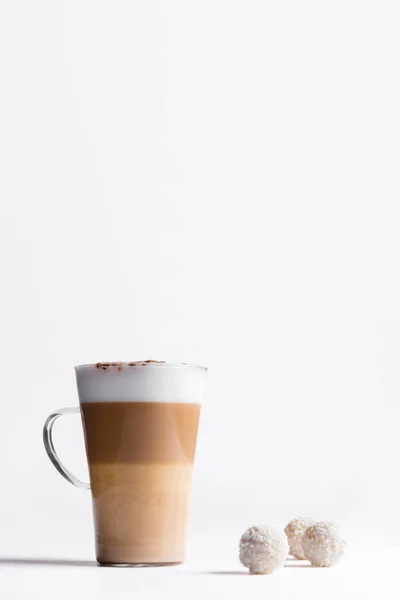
[139,363]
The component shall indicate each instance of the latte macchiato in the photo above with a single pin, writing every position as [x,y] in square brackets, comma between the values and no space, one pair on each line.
[140,422]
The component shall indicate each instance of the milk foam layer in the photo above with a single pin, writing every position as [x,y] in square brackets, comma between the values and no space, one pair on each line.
[140,382]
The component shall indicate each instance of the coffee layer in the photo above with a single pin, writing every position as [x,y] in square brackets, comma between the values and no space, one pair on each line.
[140,432]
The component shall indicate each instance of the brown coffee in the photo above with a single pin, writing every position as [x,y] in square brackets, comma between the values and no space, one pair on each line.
[140,457]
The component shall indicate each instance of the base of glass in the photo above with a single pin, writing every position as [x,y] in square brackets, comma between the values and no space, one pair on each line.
[138,565]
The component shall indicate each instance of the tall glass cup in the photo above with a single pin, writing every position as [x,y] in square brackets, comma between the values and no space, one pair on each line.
[140,423]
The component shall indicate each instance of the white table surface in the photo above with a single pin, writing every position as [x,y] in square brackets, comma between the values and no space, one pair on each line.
[364,573]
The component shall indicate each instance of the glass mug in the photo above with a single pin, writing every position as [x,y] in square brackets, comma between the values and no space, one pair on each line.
[140,423]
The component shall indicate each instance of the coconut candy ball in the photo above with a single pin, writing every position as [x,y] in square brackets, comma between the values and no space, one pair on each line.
[323,545]
[263,548]
[295,530]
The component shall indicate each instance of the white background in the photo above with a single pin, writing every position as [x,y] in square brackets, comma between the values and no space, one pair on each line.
[213,182]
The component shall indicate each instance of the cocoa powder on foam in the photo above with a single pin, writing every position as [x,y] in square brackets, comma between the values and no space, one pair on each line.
[139,363]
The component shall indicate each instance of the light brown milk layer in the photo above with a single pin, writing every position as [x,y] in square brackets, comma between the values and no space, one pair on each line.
[141,512]
[140,458]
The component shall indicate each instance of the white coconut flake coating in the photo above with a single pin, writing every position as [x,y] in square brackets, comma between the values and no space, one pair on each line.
[263,548]
[295,530]
[323,545]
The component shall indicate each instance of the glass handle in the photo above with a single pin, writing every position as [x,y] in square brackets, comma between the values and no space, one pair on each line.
[49,446]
